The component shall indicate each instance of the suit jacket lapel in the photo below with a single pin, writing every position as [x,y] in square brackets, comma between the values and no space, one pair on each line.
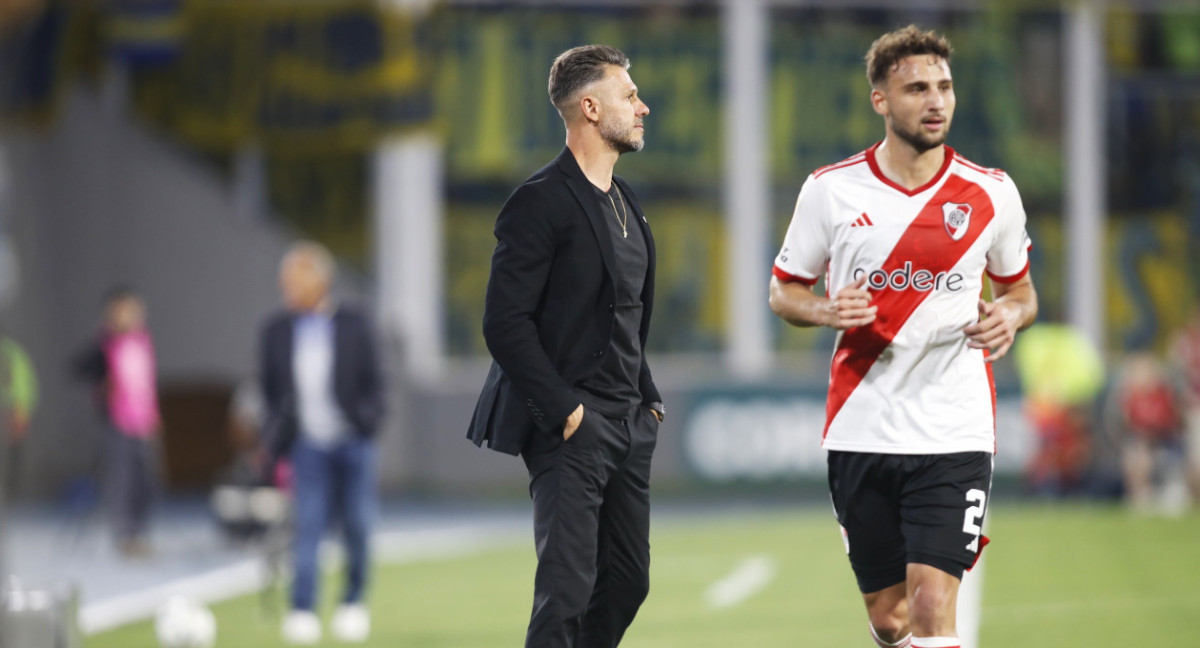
[340,339]
[287,348]
[585,193]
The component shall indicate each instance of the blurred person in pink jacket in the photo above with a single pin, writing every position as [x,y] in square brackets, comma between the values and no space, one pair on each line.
[122,366]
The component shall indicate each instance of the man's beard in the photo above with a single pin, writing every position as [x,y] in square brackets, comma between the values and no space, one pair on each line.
[620,141]
[920,141]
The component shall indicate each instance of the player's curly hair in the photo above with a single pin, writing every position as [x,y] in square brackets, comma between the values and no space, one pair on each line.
[888,50]
[579,67]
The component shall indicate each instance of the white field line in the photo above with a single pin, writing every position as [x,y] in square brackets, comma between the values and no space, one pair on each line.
[747,579]
[250,575]
[237,579]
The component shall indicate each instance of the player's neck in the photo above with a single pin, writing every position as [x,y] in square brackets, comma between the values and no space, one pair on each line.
[596,158]
[905,165]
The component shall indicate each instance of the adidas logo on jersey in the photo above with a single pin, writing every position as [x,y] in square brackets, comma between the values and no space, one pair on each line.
[904,278]
[863,221]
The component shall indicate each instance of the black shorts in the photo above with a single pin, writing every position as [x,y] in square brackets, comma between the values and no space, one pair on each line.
[901,509]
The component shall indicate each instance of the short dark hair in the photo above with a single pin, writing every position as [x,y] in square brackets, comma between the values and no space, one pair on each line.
[888,50]
[120,292]
[578,67]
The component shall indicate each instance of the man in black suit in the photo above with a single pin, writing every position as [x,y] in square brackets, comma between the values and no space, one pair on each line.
[567,313]
[321,383]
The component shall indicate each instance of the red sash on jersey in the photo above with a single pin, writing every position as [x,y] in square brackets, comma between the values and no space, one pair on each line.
[926,244]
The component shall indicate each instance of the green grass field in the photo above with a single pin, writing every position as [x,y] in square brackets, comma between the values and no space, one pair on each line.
[1055,576]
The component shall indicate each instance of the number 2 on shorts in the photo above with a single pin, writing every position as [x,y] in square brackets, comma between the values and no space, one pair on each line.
[972,516]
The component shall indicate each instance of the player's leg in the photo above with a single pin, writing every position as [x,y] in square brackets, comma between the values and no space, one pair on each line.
[863,488]
[932,602]
[887,613]
[567,480]
[943,502]
[623,565]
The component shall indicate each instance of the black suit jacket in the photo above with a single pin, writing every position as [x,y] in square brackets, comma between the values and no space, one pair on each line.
[357,384]
[549,317]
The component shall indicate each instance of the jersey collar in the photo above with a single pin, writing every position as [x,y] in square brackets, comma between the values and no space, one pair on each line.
[874,164]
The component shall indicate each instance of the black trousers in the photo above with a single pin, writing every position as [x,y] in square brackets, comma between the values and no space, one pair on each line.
[133,483]
[591,516]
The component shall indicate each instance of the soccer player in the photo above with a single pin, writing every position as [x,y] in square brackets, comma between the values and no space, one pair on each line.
[904,232]
[566,319]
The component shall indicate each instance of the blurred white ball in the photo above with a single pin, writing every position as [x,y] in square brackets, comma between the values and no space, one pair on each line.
[184,623]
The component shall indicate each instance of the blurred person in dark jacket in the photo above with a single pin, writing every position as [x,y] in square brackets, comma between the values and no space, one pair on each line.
[323,391]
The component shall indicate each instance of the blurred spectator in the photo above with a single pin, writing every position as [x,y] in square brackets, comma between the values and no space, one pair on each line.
[1061,374]
[121,365]
[250,503]
[324,401]
[18,397]
[1060,462]
[246,417]
[246,473]
[1185,352]
[1152,420]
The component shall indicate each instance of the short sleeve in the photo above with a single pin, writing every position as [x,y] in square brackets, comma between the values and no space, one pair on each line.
[1008,258]
[805,251]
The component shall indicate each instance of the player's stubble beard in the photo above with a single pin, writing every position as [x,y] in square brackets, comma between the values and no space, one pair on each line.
[920,141]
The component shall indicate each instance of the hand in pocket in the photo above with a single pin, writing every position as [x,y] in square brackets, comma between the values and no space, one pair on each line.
[572,423]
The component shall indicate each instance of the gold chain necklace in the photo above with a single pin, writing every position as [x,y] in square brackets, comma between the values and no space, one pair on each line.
[624,210]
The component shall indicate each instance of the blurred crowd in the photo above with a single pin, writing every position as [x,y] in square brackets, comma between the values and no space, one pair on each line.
[1133,434]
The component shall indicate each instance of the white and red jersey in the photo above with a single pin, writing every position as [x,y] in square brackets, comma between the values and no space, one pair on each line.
[908,383]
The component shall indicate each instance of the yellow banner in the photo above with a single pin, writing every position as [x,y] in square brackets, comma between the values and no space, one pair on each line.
[292,77]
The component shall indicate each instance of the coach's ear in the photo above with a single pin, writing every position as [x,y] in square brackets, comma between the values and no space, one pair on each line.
[589,108]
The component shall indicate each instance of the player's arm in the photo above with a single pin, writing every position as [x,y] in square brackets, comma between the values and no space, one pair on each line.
[1014,300]
[1013,308]
[797,304]
[804,255]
